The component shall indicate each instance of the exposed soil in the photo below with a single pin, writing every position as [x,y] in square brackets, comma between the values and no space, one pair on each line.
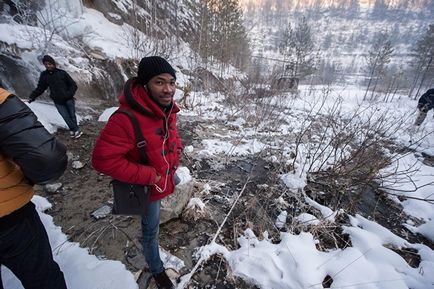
[118,237]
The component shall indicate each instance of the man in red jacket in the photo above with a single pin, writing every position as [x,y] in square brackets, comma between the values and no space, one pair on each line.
[149,96]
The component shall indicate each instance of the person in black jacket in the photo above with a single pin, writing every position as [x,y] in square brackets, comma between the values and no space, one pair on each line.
[29,155]
[425,103]
[62,90]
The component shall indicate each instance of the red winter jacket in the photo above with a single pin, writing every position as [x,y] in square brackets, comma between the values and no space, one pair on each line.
[115,153]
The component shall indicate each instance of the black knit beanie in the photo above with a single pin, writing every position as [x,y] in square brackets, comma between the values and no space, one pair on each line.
[152,66]
[49,59]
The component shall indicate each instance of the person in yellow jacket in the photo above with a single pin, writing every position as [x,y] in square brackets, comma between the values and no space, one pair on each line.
[29,155]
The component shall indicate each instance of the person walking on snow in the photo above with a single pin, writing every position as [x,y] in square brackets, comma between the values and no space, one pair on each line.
[29,155]
[149,96]
[425,103]
[62,90]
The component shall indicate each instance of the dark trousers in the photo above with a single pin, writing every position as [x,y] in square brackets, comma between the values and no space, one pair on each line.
[67,111]
[26,251]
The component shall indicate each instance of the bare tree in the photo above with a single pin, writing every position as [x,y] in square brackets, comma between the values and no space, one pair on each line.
[376,61]
[423,61]
[53,19]
[133,35]
[142,36]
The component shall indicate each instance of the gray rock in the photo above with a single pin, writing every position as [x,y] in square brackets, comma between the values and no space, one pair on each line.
[173,205]
[77,165]
[98,55]
[102,212]
[138,260]
[52,188]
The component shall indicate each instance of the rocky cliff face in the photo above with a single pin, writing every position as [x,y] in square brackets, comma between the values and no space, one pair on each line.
[99,74]
[103,80]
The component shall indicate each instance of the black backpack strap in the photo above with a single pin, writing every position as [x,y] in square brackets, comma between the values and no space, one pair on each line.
[141,142]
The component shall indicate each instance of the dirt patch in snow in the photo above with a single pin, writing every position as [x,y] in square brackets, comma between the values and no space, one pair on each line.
[119,237]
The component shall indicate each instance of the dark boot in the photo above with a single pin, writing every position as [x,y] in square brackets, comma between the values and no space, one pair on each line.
[163,281]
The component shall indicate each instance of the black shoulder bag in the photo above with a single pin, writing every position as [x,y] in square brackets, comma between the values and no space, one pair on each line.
[131,199]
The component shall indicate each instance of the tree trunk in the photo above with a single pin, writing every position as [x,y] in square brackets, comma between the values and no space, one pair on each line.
[369,83]
[425,73]
[415,80]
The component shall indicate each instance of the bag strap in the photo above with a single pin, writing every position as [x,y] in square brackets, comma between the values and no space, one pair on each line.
[141,142]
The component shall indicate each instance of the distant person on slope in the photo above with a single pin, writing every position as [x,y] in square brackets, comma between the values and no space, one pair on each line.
[29,155]
[62,90]
[149,96]
[426,102]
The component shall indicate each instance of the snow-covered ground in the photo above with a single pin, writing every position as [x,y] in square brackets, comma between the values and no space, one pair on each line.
[294,262]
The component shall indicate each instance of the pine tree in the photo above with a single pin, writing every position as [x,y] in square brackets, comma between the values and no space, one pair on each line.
[298,49]
[221,33]
[380,8]
[200,38]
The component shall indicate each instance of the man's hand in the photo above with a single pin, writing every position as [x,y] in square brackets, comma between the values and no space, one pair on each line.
[29,100]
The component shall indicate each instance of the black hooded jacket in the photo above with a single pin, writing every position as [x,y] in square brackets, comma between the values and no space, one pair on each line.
[62,86]
[25,140]
[426,101]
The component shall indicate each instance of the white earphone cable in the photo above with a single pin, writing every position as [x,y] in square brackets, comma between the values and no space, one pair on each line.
[165,138]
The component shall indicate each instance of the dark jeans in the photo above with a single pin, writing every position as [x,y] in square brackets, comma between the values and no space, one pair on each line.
[150,232]
[67,111]
[26,251]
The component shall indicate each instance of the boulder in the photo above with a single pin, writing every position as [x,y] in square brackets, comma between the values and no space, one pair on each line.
[173,205]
